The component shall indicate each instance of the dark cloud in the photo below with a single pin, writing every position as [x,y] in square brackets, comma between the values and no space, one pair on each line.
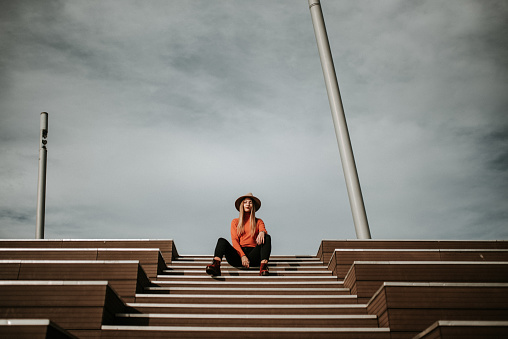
[17,222]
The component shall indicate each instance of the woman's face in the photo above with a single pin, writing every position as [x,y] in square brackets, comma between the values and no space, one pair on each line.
[247,205]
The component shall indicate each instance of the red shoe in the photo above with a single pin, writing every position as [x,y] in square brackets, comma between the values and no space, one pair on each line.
[263,269]
[214,268]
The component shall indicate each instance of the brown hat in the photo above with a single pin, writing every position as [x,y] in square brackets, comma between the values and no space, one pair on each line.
[255,201]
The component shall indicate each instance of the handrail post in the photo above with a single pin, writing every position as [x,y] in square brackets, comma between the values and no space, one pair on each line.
[339,121]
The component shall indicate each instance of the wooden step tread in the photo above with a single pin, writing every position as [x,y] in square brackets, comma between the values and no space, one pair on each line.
[271,263]
[218,283]
[250,278]
[32,328]
[245,316]
[233,320]
[113,331]
[457,329]
[272,257]
[246,272]
[248,306]
[403,250]
[247,298]
[266,296]
[440,284]
[253,268]
[231,290]
[434,263]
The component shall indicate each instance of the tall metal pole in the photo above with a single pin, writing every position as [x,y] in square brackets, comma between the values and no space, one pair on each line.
[339,121]
[41,187]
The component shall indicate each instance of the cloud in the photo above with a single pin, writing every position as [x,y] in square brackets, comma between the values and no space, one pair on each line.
[162,113]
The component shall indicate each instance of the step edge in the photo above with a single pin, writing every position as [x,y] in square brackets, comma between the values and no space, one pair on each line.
[246,316]
[248,305]
[274,296]
[302,289]
[244,329]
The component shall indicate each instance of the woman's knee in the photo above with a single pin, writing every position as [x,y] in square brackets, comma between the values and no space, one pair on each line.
[221,246]
[268,238]
[222,241]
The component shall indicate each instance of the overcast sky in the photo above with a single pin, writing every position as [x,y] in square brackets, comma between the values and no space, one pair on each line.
[162,113]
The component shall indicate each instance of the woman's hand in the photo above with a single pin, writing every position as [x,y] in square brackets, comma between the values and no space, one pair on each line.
[245,262]
[261,238]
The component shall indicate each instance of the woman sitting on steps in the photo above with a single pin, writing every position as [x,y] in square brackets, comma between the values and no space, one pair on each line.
[251,243]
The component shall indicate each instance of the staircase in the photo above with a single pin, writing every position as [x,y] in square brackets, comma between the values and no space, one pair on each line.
[300,298]
[394,289]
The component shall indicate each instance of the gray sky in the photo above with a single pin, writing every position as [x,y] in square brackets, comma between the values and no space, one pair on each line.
[162,113]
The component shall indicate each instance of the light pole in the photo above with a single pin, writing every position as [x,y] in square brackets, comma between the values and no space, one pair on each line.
[41,186]
[339,121]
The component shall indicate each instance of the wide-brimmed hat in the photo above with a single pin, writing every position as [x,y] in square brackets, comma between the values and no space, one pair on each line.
[255,201]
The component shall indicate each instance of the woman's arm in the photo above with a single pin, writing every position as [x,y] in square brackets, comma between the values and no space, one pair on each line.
[261,238]
[262,231]
[245,261]
[235,238]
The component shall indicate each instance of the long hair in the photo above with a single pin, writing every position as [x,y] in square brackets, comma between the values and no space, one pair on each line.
[240,229]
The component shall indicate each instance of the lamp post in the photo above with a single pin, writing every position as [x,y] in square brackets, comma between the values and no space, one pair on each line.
[41,186]
[339,121]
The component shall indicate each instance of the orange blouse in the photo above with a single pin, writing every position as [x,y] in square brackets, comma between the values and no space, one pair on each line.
[246,239]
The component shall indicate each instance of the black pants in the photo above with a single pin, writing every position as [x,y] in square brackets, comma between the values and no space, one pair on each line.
[254,254]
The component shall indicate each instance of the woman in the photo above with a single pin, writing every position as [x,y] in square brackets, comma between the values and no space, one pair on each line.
[251,243]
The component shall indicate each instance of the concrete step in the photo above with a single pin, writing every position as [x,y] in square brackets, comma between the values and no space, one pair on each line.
[248,291]
[109,331]
[245,299]
[249,308]
[234,320]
